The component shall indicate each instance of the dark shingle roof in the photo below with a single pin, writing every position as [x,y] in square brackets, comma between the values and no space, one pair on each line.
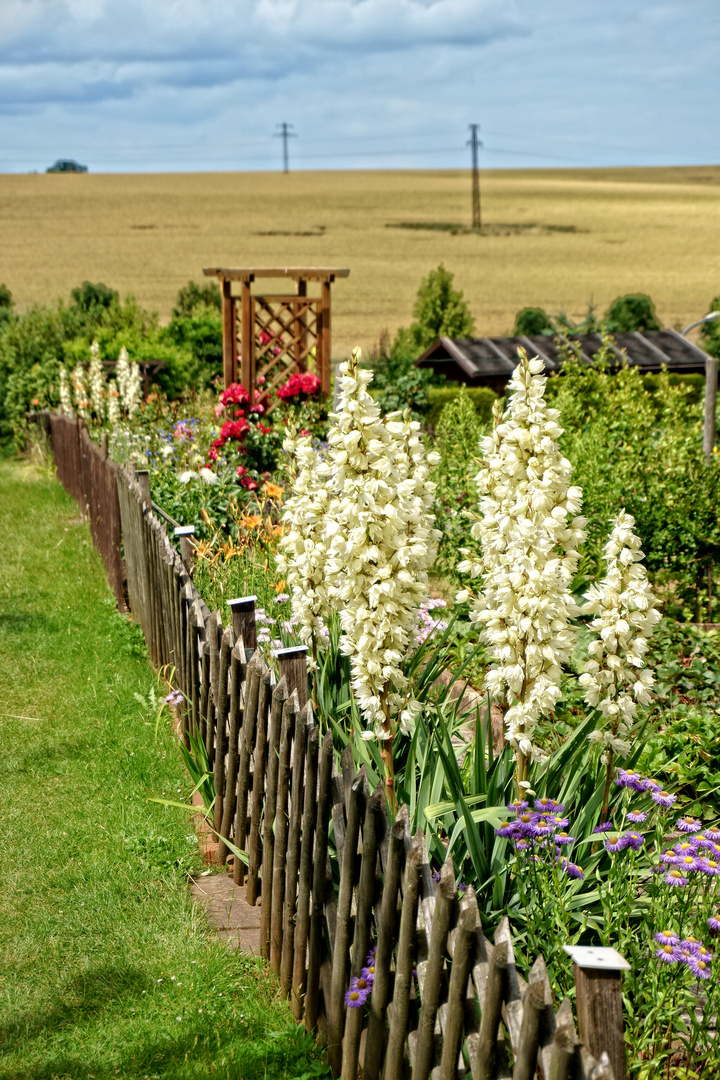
[477,359]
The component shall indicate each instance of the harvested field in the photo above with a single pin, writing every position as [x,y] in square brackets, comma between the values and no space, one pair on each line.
[555,238]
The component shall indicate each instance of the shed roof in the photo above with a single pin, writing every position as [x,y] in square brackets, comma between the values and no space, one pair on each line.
[478,359]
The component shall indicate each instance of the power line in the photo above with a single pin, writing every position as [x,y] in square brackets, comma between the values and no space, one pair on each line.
[285,134]
[474,142]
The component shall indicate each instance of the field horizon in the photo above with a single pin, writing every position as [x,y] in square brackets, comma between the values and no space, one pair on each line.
[561,239]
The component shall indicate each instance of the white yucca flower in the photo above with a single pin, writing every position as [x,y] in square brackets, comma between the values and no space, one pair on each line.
[303,550]
[122,375]
[96,380]
[129,383]
[529,535]
[80,394]
[381,543]
[65,396]
[626,613]
[113,402]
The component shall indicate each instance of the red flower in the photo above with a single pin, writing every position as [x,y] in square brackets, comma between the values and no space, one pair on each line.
[234,429]
[301,384]
[241,470]
[305,431]
[249,483]
[235,394]
[257,408]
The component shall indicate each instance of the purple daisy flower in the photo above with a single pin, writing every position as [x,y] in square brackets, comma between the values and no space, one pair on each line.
[713,834]
[559,822]
[616,843]
[355,998]
[522,845]
[703,953]
[436,873]
[669,856]
[663,798]
[690,942]
[461,887]
[368,975]
[688,824]
[575,871]
[714,924]
[541,827]
[685,955]
[711,867]
[667,954]
[634,840]
[687,864]
[675,877]
[667,937]
[685,847]
[630,778]
[510,828]
[518,805]
[546,805]
[605,827]
[650,785]
[636,817]
[371,955]
[563,838]
[699,968]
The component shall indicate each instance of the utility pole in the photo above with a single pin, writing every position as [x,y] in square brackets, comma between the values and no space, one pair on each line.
[475,143]
[285,133]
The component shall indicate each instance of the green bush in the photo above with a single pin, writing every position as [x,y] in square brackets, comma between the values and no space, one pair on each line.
[440,311]
[632,312]
[398,383]
[482,399]
[201,338]
[193,300]
[532,321]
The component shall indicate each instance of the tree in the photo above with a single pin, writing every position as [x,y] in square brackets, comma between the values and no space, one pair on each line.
[710,332]
[440,311]
[193,297]
[632,312]
[532,321]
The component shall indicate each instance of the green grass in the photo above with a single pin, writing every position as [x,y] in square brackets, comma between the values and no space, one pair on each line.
[107,969]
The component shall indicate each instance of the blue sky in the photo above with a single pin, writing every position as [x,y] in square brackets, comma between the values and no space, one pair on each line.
[142,85]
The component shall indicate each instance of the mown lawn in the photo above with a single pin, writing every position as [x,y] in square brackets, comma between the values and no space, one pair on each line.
[106,967]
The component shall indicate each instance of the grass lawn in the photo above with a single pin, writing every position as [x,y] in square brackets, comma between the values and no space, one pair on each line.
[106,967]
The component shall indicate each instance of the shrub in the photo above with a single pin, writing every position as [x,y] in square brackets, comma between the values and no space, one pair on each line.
[200,337]
[632,312]
[398,383]
[197,300]
[532,321]
[440,311]
[710,332]
[440,398]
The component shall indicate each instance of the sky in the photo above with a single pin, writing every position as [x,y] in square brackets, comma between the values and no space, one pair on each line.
[196,85]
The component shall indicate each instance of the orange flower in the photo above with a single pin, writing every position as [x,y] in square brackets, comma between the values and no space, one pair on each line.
[280,586]
[273,491]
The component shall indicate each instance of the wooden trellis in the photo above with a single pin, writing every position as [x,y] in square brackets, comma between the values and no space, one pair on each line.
[274,335]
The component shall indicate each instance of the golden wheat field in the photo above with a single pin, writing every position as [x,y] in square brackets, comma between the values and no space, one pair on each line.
[554,238]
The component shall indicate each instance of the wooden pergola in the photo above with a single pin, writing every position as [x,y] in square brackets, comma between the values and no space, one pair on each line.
[278,334]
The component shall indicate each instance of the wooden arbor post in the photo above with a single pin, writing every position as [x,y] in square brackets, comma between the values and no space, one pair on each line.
[599,1002]
[279,333]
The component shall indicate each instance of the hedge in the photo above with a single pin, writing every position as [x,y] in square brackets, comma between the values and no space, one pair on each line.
[482,398]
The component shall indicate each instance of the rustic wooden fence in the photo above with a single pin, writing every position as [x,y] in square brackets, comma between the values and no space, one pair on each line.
[334,878]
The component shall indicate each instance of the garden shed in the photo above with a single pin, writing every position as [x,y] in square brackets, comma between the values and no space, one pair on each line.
[491,361]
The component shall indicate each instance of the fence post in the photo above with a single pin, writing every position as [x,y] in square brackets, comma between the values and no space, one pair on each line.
[143,479]
[599,1002]
[185,534]
[243,619]
[293,665]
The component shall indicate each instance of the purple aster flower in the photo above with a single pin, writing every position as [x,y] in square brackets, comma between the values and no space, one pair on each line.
[461,887]
[700,840]
[563,838]
[711,867]
[687,864]
[703,953]
[713,834]
[675,877]
[559,822]
[667,954]
[685,954]
[636,817]
[370,959]
[663,798]
[546,805]
[630,778]
[522,845]
[367,975]
[356,996]
[573,870]
[634,840]
[541,827]
[684,847]
[688,824]
[616,843]
[669,856]
[509,828]
[667,937]
[699,968]
[690,942]
[605,827]
[175,697]
[650,785]
[714,924]
[436,874]
[518,805]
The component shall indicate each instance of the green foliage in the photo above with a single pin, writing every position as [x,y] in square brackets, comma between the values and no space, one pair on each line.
[440,311]
[193,300]
[457,440]
[92,299]
[710,332]
[532,321]
[632,312]
[481,397]
[642,450]
[200,337]
[398,383]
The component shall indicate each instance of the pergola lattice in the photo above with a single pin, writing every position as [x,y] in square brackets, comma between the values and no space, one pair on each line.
[277,334]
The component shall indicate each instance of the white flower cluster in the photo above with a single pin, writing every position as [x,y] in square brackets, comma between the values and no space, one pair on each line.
[66,406]
[96,380]
[626,613]
[529,534]
[80,394]
[381,543]
[129,383]
[303,550]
